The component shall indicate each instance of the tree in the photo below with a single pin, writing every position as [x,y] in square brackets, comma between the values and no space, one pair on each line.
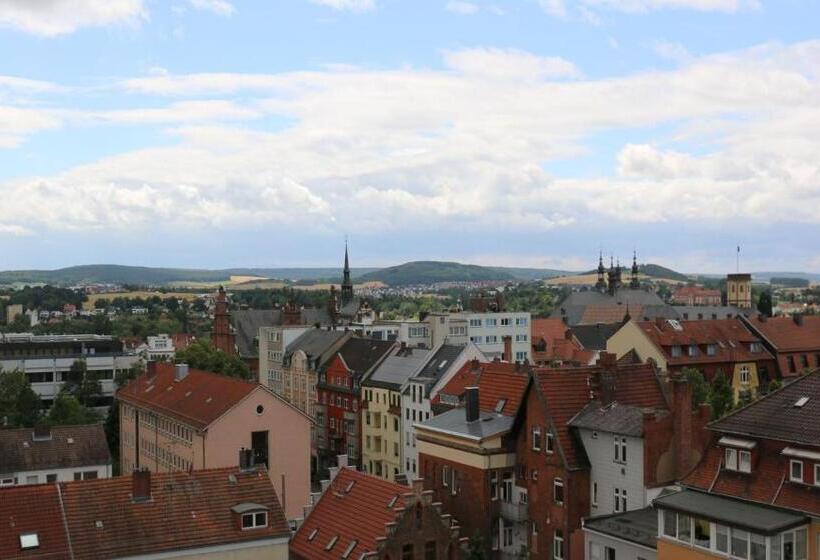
[721,395]
[700,387]
[83,384]
[20,323]
[201,355]
[764,303]
[19,405]
[68,411]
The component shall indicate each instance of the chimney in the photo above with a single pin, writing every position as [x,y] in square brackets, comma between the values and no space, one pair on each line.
[475,365]
[180,372]
[606,387]
[682,424]
[607,360]
[471,403]
[798,319]
[507,357]
[141,485]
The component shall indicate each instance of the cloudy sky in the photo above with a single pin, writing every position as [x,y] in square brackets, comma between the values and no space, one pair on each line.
[217,133]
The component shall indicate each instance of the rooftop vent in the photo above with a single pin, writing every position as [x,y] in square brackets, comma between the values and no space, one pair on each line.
[801,402]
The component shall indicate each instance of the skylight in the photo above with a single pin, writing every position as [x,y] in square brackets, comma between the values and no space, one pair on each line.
[332,542]
[350,486]
[801,402]
[349,548]
[392,501]
[312,534]
[29,540]
[499,406]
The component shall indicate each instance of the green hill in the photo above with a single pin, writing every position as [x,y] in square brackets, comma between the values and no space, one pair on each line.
[429,272]
[653,271]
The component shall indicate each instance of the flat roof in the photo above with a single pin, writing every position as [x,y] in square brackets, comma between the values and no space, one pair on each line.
[757,518]
[638,526]
[454,422]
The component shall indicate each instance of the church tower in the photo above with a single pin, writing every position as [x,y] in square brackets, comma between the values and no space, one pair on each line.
[600,285]
[222,335]
[634,283]
[347,285]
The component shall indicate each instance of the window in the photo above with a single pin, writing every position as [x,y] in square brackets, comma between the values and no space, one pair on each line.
[558,545]
[29,540]
[745,375]
[521,338]
[550,443]
[684,528]
[792,367]
[693,350]
[711,349]
[670,519]
[676,351]
[594,494]
[738,460]
[445,475]
[740,543]
[521,322]
[489,322]
[620,500]
[755,347]
[51,478]
[505,322]
[430,550]
[491,339]
[722,538]
[506,487]
[558,491]
[536,438]
[703,533]
[817,474]
[745,461]
[796,471]
[521,356]
[255,520]
[757,547]
[620,449]
[494,485]
[475,322]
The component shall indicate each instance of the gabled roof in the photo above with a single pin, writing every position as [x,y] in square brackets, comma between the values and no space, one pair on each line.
[594,337]
[314,342]
[186,510]
[777,416]
[355,507]
[616,419]
[439,361]
[361,354]
[786,335]
[198,399]
[247,322]
[398,367]
[567,391]
[32,509]
[496,382]
[66,447]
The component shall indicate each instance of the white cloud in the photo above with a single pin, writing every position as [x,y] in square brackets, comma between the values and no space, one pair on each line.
[461,7]
[588,10]
[59,17]
[17,123]
[464,147]
[673,51]
[219,7]
[555,8]
[352,5]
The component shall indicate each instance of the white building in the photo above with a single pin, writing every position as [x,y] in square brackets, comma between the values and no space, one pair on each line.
[158,348]
[47,360]
[59,454]
[422,387]
[273,341]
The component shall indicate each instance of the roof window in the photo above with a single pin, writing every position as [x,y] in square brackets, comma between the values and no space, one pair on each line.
[392,501]
[313,534]
[499,406]
[332,542]
[350,548]
[29,541]
[801,402]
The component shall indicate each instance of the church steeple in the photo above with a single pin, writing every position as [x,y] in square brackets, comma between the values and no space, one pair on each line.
[347,284]
[600,285]
[634,283]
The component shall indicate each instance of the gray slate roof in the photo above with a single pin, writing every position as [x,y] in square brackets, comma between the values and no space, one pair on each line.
[19,452]
[695,312]
[398,367]
[729,511]
[438,364]
[455,422]
[639,526]
[615,419]
[246,324]
[314,343]
[775,416]
[594,337]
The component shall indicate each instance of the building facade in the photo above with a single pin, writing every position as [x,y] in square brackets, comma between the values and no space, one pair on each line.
[794,341]
[739,290]
[176,419]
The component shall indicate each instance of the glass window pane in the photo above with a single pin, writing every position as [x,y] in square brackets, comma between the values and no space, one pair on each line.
[703,533]
[774,548]
[740,543]
[669,523]
[722,538]
[684,527]
[757,547]
[788,546]
[800,544]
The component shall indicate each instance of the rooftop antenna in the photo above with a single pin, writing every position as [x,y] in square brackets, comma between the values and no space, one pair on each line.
[737,264]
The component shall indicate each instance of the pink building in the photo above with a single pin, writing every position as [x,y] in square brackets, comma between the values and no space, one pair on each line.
[175,418]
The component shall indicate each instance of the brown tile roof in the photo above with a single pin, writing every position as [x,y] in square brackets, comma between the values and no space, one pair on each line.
[786,335]
[552,334]
[186,510]
[731,337]
[356,506]
[198,399]
[495,380]
[32,509]
[777,417]
[594,314]
[566,392]
[19,451]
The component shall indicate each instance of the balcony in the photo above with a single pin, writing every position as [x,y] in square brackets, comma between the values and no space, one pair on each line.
[514,511]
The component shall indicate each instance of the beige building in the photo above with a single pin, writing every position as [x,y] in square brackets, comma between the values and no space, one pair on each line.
[176,419]
[382,428]
[739,290]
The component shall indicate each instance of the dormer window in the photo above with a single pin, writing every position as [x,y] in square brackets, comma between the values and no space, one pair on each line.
[676,351]
[550,445]
[693,350]
[711,349]
[796,471]
[256,520]
[738,460]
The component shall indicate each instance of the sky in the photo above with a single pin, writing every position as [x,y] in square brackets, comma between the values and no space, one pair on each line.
[259,133]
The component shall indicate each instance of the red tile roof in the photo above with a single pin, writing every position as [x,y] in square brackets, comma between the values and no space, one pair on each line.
[198,399]
[186,510]
[566,392]
[594,314]
[552,334]
[495,380]
[32,509]
[731,337]
[356,506]
[66,447]
[465,377]
[787,336]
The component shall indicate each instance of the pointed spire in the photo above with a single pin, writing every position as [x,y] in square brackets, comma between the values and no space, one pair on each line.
[347,261]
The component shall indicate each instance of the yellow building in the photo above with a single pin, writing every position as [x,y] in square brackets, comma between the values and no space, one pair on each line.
[709,346]
[382,426]
[739,290]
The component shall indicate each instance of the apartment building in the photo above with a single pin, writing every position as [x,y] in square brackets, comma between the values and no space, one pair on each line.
[219,514]
[710,346]
[47,360]
[794,341]
[359,516]
[157,348]
[53,454]
[696,296]
[416,397]
[175,418]
[338,411]
[755,493]
[381,406]
[273,342]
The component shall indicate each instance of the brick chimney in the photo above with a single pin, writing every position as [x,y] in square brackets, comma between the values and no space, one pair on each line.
[507,357]
[681,424]
[141,485]
[606,378]
[471,403]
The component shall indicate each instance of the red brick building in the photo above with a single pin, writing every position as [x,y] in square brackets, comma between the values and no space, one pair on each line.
[338,421]
[696,295]
[361,516]
[222,333]
[554,342]
[794,341]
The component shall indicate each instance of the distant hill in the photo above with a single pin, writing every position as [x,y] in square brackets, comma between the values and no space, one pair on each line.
[653,271]
[120,274]
[430,272]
